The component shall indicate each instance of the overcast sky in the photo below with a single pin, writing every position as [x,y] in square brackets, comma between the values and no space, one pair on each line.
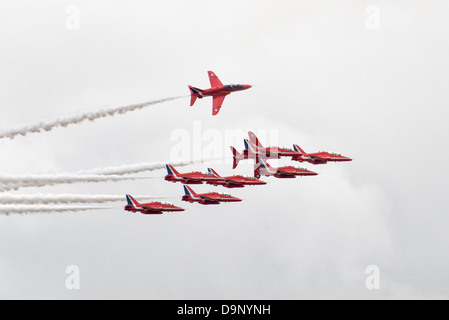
[367,79]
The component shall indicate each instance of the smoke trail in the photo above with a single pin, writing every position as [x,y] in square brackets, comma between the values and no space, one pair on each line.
[24,209]
[39,198]
[15,182]
[86,116]
[142,167]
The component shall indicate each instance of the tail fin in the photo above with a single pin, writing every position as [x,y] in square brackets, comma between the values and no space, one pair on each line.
[265,168]
[250,146]
[171,171]
[254,140]
[194,94]
[212,172]
[257,174]
[131,201]
[298,149]
[189,192]
[236,155]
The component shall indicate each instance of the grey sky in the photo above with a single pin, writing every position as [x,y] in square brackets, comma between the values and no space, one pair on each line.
[321,78]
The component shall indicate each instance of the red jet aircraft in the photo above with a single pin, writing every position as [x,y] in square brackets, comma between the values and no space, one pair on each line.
[297,153]
[250,152]
[318,157]
[218,91]
[207,198]
[235,181]
[149,208]
[263,168]
[273,151]
[190,178]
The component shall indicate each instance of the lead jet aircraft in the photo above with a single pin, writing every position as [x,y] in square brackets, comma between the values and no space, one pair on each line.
[218,92]
[189,178]
[149,208]
[207,198]
[318,157]
[264,169]
[234,181]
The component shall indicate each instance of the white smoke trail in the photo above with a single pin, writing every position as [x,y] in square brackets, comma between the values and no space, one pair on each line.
[76,119]
[27,209]
[142,167]
[7,198]
[15,182]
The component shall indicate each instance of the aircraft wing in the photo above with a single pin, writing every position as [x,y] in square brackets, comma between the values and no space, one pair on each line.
[284,173]
[313,157]
[204,198]
[191,180]
[214,81]
[151,210]
[218,101]
[234,182]
[209,200]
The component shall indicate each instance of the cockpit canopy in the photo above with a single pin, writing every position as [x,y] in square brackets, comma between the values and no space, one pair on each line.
[233,86]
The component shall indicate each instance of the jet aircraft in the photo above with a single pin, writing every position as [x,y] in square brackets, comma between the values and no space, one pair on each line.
[274,151]
[149,208]
[235,181]
[207,198]
[262,168]
[250,152]
[189,178]
[318,157]
[218,92]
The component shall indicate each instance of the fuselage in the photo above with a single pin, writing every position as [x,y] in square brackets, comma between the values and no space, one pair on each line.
[276,152]
[210,198]
[223,90]
[266,155]
[287,172]
[321,158]
[154,208]
[238,182]
[331,156]
[192,178]
[297,171]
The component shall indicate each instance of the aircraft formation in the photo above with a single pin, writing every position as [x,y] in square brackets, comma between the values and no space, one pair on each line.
[254,150]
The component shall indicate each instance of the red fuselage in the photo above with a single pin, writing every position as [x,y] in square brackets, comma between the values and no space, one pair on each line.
[153,208]
[210,198]
[248,154]
[193,178]
[292,172]
[264,169]
[320,158]
[238,182]
[276,152]
[223,90]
